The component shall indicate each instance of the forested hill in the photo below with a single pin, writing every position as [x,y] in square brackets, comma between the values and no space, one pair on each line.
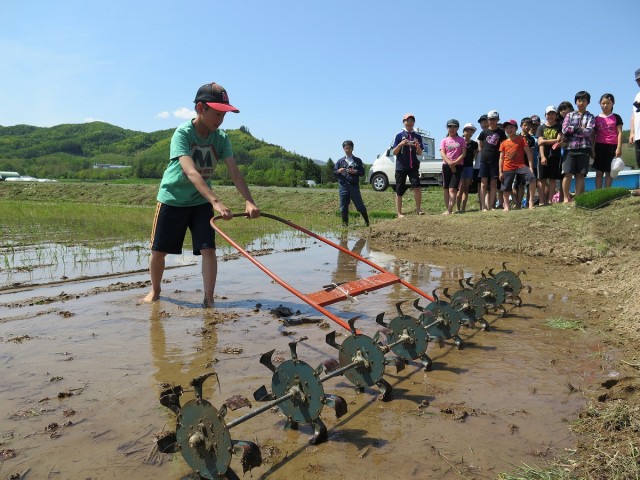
[71,151]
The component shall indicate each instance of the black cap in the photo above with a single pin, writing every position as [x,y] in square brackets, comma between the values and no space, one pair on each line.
[453,123]
[483,118]
[216,97]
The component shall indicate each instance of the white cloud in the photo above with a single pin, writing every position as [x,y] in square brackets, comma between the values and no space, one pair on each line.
[91,119]
[163,115]
[185,113]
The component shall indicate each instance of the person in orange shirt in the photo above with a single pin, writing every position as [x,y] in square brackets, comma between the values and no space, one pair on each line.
[512,164]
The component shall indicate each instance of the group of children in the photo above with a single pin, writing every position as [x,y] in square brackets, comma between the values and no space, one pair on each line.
[560,149]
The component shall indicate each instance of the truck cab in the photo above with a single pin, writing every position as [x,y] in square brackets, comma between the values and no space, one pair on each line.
[382,172]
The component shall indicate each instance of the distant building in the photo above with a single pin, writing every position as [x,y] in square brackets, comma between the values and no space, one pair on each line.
[109,166]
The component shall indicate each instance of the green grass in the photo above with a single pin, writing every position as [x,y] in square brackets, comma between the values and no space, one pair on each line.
[613,451]
[527,472]
[600,198]
[95,213]
[564,324]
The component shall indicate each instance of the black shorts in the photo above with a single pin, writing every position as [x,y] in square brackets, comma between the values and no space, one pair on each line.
[524,175]
[170,227]
[401,180]
[577,161]
[605,152]
[449,178]
[551,170]
[489,170]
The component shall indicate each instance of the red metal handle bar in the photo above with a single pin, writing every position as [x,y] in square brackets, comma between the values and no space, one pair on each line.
[284,284]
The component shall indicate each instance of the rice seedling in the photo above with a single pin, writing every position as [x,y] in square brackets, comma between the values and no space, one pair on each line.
[600,198]
[564,324]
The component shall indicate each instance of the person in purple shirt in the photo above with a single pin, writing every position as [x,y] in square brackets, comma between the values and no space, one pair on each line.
[407,146]
[578,129]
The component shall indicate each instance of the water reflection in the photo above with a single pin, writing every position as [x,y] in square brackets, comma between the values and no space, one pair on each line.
[346,266]
[174,362]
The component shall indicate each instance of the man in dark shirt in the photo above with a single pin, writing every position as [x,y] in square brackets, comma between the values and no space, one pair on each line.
[348,171]
[407,145]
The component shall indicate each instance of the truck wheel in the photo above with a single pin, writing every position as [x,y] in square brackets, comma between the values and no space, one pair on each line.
[379,182]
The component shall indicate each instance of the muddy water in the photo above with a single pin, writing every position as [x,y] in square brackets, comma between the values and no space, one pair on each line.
[503,400]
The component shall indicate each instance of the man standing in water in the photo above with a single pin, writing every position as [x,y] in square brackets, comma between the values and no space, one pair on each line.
[185,198]
[407,145]
[348,171]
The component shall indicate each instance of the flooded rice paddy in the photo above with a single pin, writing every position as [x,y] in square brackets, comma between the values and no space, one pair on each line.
[83,365]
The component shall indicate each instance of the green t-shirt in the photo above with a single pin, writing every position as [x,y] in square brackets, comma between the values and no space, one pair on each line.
[175,188]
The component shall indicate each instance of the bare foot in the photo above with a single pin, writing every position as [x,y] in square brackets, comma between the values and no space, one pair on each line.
[207,303]
[446,212]
[150,298]
[531,207]
[505,209]
[400,215]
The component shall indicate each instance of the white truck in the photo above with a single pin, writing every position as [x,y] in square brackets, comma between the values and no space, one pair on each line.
[382,173]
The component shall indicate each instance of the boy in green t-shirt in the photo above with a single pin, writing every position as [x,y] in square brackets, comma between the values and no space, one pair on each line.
[185,198]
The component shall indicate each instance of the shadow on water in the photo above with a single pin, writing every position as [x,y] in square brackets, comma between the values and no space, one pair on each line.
[500,401]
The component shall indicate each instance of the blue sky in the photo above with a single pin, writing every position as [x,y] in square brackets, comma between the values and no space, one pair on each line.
[308,75]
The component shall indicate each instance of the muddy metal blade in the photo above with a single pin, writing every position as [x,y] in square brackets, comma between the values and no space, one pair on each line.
[167,443]
[385,390]
[380,320]
[170,398]
[416,304]
[250,456]
[263,395]
[198,382]
[320,434]
[265,359]
[352,323]
[330,338]
[293,348]
[336,402]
